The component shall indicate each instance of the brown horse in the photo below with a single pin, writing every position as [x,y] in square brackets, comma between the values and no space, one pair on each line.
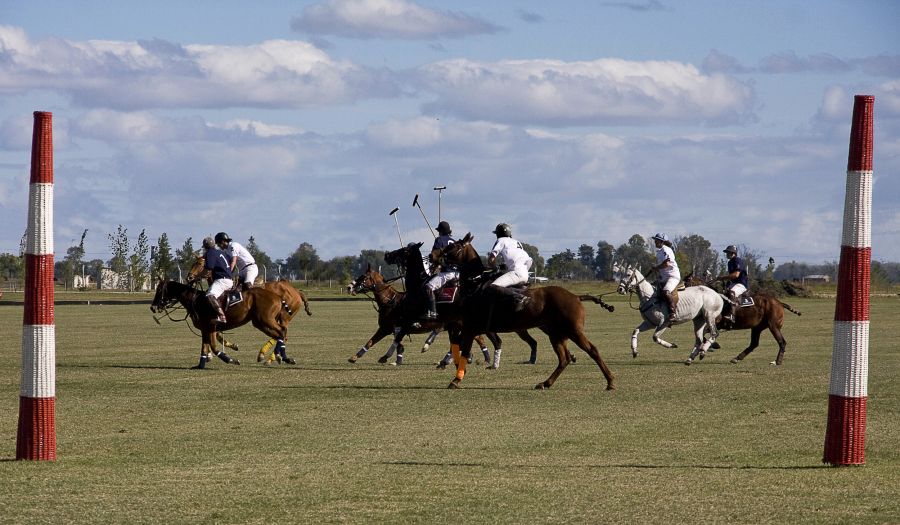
[387,300]
[555,310]
[766,312]
[292,297]
[261,307]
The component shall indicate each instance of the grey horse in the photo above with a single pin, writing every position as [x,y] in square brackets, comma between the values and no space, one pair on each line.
[697,303]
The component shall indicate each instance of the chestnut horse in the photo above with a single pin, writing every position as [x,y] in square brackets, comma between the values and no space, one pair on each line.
[387,300]
[263,308]
[555,310]
[292,297]
[767,312]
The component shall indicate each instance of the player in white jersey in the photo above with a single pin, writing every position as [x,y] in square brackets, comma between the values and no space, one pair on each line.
[517,261]
[669,275]
[241,260]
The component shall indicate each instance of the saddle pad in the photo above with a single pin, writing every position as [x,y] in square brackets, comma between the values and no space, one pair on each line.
[746,301]
[234,297]
[447,294]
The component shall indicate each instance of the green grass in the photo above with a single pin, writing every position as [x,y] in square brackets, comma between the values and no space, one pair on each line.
[144,439]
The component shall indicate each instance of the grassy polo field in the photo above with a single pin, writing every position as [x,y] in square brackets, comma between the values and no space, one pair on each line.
[142,438]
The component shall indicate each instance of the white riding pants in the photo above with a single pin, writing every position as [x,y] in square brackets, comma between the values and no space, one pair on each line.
[512,278]
[248,274]
[219,286]
[671,283]
[438,281]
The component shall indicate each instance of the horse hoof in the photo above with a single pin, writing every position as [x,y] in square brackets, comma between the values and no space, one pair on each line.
[442,365]
[773,363]
[352,359]
[674,345]
[540,386]
[425,349]
[382,360]
[688,362]
[290,361]
[453,384]
[735,361]
[610,386]
[260,357]
[634,354]
[234,362]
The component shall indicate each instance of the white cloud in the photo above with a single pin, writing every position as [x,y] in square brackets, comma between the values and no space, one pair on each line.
[607,91]
[134,75]
[400,19]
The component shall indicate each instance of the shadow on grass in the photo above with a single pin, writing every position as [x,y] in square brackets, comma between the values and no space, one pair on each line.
[635,466]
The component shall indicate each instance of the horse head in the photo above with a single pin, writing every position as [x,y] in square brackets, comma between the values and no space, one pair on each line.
[458,252]
[629,277]
[366,282]
[403,256]
[162,300]
[198,270]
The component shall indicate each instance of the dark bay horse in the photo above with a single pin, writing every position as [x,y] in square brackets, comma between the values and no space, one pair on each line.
[555,310]
[387,301]
[766,312]
[291,296]
[261,307]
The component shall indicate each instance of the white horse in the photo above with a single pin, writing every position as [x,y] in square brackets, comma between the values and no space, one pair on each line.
[697,303]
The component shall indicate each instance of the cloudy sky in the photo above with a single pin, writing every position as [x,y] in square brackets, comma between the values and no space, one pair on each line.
[574,121]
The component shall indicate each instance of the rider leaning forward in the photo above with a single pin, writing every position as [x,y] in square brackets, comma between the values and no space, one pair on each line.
[517,261]
[445,274]
[241,260]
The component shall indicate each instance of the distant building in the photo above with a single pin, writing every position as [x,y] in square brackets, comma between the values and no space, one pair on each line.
[816,279]
[110,280]
[83,282]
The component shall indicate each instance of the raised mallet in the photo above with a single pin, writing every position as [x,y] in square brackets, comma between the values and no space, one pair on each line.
[416,203]
[394,214]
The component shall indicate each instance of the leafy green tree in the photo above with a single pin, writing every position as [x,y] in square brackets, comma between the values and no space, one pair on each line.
[12,267]
[138,263]
[184,258]
[637,252]
[567,265]
[119,247]
[699,256]
[586,255]
[163,265]
[603,260]
[304,262]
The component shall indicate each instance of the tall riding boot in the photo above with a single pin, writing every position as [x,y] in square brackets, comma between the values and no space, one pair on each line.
[217,308]
[672,306]
[732,307]
[432,306]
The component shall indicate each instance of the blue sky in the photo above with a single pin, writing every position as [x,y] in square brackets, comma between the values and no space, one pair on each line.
[575,122]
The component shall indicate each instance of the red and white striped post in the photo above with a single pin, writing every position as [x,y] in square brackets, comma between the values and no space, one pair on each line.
[845,436]
[36,437]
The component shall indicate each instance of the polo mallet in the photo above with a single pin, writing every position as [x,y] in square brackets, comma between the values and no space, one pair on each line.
[440,190]
[394,214]
[416,203]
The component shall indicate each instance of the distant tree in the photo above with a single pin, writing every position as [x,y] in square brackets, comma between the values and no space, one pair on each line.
[304,262]
[184,258]
[375,258]
[603,260]
[637,252]
[119,247]
[752,260]
[586,256]
[699,257]
[163,264]
[138,263]
[11,267]
[537,262]
[71,264]
[567,265]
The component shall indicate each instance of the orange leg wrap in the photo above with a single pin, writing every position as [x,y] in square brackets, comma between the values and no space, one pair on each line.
[459,360]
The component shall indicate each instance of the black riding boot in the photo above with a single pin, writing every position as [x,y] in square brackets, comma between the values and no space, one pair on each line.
[432,306]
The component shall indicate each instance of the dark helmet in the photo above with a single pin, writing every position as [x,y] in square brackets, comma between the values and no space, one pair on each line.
[444,228]
[208,243]
[503,230]
[730,249]
[222,237]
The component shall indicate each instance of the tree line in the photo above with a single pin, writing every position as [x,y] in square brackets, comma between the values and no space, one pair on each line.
[139,261]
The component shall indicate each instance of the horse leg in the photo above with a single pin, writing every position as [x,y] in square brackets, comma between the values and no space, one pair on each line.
[782,343]
[225,342]
[390,351]
[657,336]
[585,344]
[400,350]
[378,336]
[754,342]
[430,339]
[447,359]
[559,346]
[461,346]
[496,342]
[204,352]
[634,336]
[264,349]
[532,343]
[221,353]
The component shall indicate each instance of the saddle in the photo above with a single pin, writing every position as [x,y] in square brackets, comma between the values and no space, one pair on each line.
[447,294]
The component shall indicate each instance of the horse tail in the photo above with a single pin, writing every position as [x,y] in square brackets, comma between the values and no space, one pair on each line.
[305,302]
[789,308]
[597,300]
